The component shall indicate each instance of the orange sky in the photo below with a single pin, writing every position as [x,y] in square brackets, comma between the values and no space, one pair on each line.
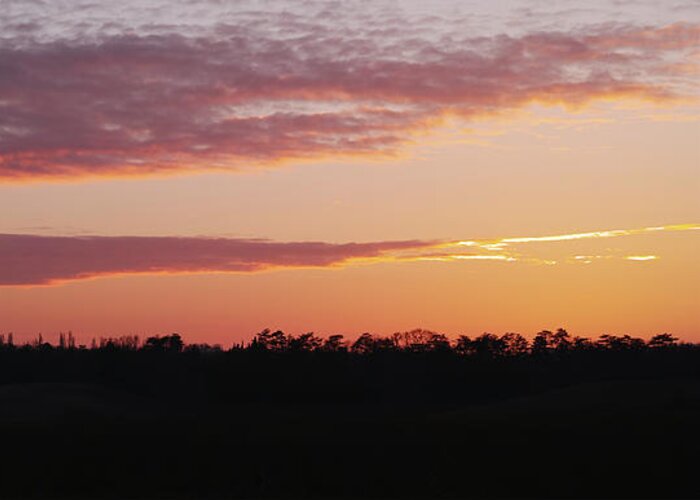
[529,172]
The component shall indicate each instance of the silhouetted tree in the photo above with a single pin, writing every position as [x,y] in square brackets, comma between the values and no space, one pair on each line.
[418,340]
[367,344]
[543,342]
[438,343]
[169,343]
[271,341]
[335,343]
[515,344]
[306,342]
[463,346]
[364,344]
[662,340]
[488,345]
[615,343]
[560,340]
[582,344]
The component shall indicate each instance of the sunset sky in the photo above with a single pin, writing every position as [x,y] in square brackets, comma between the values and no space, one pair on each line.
[215,168]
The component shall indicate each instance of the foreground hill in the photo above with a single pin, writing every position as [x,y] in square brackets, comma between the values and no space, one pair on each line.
[251,422]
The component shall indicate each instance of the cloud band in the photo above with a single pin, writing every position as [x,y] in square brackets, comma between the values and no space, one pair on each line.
[136,103]
[43,260]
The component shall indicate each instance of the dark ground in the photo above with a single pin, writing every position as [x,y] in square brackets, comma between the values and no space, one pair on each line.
[136,424]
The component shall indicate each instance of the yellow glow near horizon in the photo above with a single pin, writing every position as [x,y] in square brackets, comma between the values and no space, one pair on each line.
[503,242]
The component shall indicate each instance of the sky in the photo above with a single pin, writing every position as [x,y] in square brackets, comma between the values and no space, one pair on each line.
[215,168]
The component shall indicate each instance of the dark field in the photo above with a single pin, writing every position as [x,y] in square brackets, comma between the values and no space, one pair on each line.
[174,422]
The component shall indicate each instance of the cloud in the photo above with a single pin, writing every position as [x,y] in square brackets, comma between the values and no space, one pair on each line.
[642,258]
[137,102]
[36,260]
[611,233]
[44,260]
[515,249]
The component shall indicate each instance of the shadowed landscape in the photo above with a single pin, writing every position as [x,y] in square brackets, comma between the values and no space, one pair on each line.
[194,171]
[413,414]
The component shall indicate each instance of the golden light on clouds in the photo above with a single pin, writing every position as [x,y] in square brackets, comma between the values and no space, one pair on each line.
[576,236]
[512,248]
[642,258]
[30,259]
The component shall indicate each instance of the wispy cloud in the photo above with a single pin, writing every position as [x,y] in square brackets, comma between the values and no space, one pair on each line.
[135,101]
[503,242]
[642,258]
[528,249]
[45,260]
[31,259]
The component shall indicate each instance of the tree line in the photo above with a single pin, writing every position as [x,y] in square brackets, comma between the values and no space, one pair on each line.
[413,414]
[414,341]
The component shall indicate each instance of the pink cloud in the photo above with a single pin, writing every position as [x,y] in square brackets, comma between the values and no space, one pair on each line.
[138,104]
[36,260]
